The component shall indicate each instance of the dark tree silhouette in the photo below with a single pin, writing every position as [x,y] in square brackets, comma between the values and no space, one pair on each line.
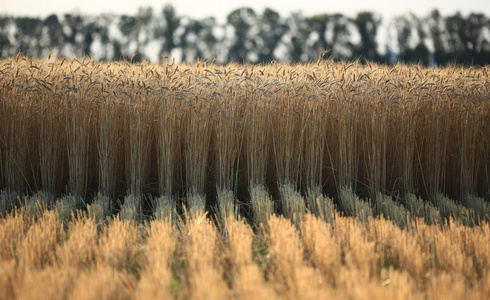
[298,33]
[171,23]
[78,34]
[367,25]
[28,36]
[318,24]
[102,32]
[409,28]
[271,29]
[436,28]
[5,44]
[208,39]
[465,38]
[55,32]
[133,29]
[342,46]
[336,27]
[247,36]
[188,40]
[242,21]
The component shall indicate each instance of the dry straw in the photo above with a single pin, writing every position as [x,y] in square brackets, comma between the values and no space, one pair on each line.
[164,209]
[80,127]
[351,205]
[197,258]
[262,204]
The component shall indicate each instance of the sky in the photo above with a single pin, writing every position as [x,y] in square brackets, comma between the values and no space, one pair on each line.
[220,8]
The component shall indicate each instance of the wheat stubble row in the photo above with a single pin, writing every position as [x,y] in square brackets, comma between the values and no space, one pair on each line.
[194,259]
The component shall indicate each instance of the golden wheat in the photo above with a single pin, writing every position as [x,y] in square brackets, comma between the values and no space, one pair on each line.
[81,126]
[193,258]
[367,140]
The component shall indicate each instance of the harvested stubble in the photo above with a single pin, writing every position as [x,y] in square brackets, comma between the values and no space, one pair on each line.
[192,258]
[392,210]
[421,209]
[99,207]
[351,205]
[262,204]
[293,204]
[203,273]
[164,209]
[196,203]
[320,205]
[157,262]
[131,209]
[247,277]
[64,208]
[7,200]
[227,207]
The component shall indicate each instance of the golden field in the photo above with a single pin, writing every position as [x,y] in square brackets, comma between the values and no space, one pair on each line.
[302,181]
[82,127]
[43,256]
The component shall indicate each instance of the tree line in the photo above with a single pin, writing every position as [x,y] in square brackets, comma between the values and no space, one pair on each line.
[250,36]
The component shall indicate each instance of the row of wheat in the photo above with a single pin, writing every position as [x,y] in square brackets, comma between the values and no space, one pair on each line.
[79,258]
[80,127]
[291,204]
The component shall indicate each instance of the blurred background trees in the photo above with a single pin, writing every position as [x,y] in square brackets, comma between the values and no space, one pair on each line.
[251,36]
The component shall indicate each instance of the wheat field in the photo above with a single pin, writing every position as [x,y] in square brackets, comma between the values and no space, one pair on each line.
[339,179]
[46,256]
